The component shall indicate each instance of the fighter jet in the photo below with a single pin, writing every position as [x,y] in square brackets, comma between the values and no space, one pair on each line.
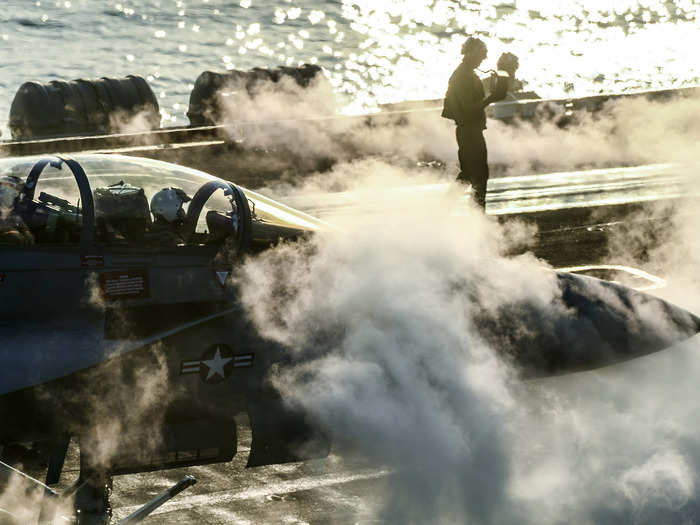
[108,284]
[121,327]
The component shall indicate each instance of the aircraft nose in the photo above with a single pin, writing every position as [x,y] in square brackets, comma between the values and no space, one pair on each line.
[596,324]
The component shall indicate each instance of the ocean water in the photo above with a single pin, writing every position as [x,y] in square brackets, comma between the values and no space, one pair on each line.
[373,51]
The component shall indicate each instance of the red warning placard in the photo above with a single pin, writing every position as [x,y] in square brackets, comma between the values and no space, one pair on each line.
[127,284]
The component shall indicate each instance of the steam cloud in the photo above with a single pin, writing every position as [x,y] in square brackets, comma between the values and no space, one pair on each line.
[391,363]
[131,121]
[408,374]
[304,121]
[625,132]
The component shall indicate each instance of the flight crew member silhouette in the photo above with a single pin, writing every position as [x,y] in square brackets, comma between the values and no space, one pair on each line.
[465,103]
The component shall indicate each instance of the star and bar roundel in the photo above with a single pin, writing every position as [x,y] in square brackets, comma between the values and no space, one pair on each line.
[216,364]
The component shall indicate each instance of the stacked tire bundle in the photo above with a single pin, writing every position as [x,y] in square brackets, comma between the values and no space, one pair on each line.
[205,107]
[60,108]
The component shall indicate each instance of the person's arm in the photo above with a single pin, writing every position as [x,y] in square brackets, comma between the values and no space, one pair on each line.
[499,91]
[490,98]
[471,108]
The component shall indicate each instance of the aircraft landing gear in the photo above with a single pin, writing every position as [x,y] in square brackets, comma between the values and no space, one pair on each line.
[92,491]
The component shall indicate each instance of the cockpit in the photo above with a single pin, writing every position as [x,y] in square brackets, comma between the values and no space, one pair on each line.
[113,200]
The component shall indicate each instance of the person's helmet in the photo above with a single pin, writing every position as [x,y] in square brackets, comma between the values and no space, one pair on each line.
[167,204]
[473,44]
[10,189]
[508,62]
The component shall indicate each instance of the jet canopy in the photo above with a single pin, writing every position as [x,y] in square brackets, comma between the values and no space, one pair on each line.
[117,200]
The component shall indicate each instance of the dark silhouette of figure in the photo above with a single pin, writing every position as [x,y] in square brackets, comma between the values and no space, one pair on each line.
[465,103]
[509,63]
[13,230]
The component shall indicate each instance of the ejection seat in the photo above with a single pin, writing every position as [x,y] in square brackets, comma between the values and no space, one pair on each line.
[122,214]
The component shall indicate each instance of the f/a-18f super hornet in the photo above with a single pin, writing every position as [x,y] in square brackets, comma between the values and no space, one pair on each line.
[121,328]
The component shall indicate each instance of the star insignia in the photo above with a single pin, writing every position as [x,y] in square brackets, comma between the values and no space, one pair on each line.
[216,364]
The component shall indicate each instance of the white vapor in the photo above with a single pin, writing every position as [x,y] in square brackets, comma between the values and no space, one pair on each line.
[381,319]
[625,132]
[306,122]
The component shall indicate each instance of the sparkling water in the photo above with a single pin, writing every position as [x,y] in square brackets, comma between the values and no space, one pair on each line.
[373,51]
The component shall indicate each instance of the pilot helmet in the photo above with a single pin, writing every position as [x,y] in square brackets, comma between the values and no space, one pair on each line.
[167,204]
[10,189]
